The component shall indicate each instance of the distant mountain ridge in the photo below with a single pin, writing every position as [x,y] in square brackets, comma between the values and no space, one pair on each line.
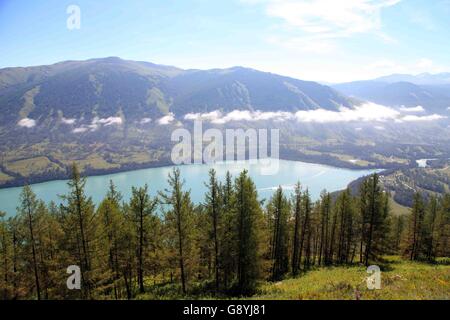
[430,91]
[132,89]
[420,79]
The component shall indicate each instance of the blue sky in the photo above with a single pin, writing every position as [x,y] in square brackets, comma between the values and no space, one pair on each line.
[322,40]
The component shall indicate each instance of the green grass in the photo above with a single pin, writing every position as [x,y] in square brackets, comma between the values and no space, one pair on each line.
[397,209]
[4,177]
[400,279]
[28,167]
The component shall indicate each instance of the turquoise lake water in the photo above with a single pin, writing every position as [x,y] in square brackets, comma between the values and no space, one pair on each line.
[314,176]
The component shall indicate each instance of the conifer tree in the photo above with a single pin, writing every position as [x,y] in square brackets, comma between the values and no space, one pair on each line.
[229,232]
[142,207]
[28,213]
[325,213]
[375,218]
[180,219]
[249,216]
[430,228]
[5,257]
[213,206]
[279,209]
[297,204]
[416,228]
[80,227]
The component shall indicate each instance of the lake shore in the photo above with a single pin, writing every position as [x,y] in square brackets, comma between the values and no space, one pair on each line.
[89,172]
[315,177]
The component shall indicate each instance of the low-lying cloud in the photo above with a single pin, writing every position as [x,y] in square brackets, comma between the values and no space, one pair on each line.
[97,122]
[107,121]
[430,117]
[68,120]
[27,123]
[368,112]
[145,120]
[166,119]
[80,130]
[417,109]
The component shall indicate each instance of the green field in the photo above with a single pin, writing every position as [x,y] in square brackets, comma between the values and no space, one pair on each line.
[400,280]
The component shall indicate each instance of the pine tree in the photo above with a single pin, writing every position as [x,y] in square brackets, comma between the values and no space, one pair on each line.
[180,218]
[307,229]
[325,213]
[297,204]
[345,215]
[5,257]
[110,225]
[375,218]
[430,228]
[443,223]
[415,228]
[80,228]
[29,217]
[249,216]
[213,206]
[142,207]
[229,232]
[279,210]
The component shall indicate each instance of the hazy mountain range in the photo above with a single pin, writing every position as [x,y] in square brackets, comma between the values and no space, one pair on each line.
[135,90]
[431,92]
[111,91]
[111,115]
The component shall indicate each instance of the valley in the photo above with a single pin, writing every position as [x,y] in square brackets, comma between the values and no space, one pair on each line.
[112,115]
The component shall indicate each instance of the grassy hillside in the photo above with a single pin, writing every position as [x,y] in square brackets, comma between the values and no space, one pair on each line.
[403,183]
[400,280]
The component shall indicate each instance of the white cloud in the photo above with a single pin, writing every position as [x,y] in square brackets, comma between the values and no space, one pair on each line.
[80,130]
[331,17]
[314,24]
[203,116]
[107,121]
[26,123]
[166,119]
[68,121]
[239,115]
[367,112]
[321,20]
[432,117]
[97,122]
[417,109]
[145,120]
[380,128]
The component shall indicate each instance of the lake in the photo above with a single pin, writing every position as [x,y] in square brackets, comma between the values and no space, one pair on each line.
[314,176]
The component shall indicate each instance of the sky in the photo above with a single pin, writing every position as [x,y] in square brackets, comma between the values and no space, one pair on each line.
[321,40]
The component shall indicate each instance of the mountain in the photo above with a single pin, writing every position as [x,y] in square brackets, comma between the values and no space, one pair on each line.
[420,79]
[135,90]
[403,91]
[111,115]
